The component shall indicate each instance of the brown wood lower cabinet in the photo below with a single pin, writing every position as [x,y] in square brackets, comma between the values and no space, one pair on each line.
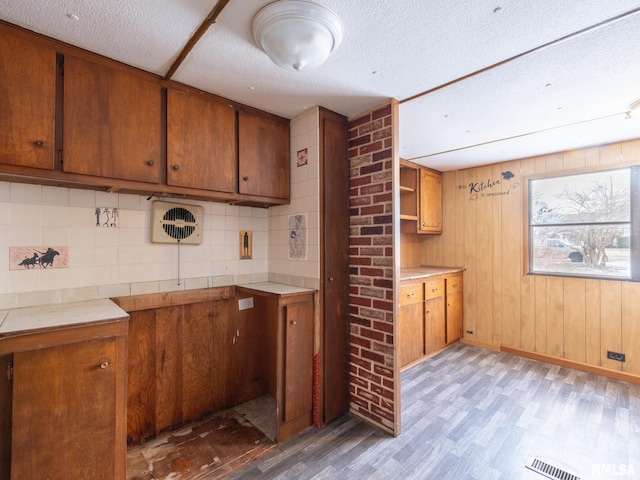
[192,353]
[63,409]
[429,316]
[289,346]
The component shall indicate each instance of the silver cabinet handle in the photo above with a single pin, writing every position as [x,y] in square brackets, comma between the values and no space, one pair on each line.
[104,365]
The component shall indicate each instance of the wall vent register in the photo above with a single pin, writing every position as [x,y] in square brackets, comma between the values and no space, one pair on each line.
[176,223]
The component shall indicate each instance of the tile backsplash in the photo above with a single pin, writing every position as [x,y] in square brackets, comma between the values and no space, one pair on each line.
[121,260]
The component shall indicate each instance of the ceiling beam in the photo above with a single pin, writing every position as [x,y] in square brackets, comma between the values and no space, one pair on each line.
[210,20]
[523,54]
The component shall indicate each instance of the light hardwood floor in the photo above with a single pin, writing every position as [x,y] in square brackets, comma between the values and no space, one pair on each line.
[472,413]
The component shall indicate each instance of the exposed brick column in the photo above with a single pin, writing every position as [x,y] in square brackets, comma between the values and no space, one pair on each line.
[373,382]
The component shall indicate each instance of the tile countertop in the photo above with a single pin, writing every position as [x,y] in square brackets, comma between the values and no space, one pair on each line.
[276,288]
[413,273]
[47,317]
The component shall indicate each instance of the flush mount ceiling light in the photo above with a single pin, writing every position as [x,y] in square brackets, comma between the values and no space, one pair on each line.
[297,34]
[632,108]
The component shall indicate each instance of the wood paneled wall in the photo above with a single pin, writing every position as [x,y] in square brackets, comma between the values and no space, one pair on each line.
[577,320]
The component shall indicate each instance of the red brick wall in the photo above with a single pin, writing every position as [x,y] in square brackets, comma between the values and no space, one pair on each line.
[373,382]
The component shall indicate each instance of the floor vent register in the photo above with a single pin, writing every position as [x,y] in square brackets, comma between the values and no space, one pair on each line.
[549,471]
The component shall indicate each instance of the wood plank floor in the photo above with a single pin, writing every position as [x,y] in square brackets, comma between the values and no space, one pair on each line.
[472,413]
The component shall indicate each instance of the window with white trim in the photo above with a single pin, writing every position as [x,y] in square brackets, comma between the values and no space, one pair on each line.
[585,224]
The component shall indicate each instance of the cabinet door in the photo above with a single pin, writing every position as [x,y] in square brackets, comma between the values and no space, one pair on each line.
[201,142]
[411,333]
[27,102]
[111,124]
[298,360]
[334,262]
[263,156]
[5,417]
[64,402]
[430,215]
[434,319]
[454,317]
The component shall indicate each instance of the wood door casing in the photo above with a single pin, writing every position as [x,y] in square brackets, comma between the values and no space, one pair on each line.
[334,263]
[111,122]
[27,102]
[201,142]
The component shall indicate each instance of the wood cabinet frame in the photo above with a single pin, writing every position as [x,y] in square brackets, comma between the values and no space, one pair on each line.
[430,316]
[113,439]
[50,169]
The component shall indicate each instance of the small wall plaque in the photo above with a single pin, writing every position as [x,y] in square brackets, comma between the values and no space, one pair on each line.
[303,157]
[246,244]
[106,217]
[298,237]
[36,258]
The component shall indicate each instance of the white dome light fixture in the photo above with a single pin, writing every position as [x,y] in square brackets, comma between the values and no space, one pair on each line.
[297,34]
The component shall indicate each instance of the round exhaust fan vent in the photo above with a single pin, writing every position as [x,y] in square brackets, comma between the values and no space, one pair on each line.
[176,222]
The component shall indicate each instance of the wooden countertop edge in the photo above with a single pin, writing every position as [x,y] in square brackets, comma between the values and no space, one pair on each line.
[63,334]
[266,293]
[430,271]
[134,303]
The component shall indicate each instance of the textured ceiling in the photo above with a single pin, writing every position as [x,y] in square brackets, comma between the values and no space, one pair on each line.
[503,79]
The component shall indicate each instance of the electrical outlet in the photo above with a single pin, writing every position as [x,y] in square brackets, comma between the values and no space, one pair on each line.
[615,356]
[245,303]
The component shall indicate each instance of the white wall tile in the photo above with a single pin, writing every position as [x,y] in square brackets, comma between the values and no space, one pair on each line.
[82,198]
[58,236]
[55,195]
[107,200]
[79,294]
[25,214]
[25,236]
[54,216]
[26,193]
[5,192]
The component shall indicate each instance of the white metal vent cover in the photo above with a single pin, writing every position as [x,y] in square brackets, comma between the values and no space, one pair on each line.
[176,223]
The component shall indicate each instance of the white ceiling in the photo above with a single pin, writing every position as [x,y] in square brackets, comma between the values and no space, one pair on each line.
[478,81]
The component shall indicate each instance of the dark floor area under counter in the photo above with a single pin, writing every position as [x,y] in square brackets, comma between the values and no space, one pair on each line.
[212,448]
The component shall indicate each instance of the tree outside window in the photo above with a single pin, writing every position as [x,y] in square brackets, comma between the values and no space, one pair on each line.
[582,224]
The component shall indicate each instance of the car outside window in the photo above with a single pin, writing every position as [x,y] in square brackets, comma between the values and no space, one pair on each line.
[585,224]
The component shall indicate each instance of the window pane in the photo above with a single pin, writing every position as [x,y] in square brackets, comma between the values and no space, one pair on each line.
[583,198]
[601,250]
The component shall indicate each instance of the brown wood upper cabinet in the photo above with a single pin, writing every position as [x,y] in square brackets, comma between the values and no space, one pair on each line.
[420,199]
[72,118]
[112,122]
[201,146]
[27,102]
[430,206]
[263,156]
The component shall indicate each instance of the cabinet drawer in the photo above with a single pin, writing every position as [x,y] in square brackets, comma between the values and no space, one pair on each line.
[411,294]
[434,288]
[454,284]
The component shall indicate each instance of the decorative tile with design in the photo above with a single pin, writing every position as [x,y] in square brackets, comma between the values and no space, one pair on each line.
[26,258]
